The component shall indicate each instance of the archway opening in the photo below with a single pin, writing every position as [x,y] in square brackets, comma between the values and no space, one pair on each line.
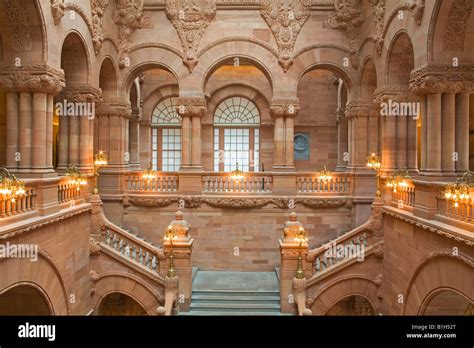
[117,303]
[448,302]
[24,300]
[353,305]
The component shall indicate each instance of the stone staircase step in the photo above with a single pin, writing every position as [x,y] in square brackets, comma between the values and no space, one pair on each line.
[231,313]
[231,297]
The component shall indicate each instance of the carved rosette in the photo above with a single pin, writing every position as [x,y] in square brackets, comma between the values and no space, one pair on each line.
[285,19]
[348,18]
[98,10]
[442,79]
[128,16]
[57,9]
[190,19]
[32,78]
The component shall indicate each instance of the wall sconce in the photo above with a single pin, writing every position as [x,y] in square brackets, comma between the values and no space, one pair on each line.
[100,161]
[75,177]
[10,186]
[373,162]
[398,179]
[459,192]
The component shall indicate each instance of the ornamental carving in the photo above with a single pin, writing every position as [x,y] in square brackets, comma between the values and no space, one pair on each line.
[152,202]
[80,94]
[442,79]
[94,247]
[190,19]
[238,203]
[18,24]
[191,107]
[115,107]
[379,249]
[324,202]
[285,19]
[397,94]
[361,108]
[348,18]
[57,9]
[128,16]
[378,8]
[32,78]
[284,108]
[98,10]
[455,31]
[93,278]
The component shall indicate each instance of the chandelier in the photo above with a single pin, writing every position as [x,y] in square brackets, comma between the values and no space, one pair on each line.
[237,174]
[459,192]
[149,174]
[10,187]
[75,177]
[399,179]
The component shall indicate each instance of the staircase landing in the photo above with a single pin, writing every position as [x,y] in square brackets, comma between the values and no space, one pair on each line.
[235,293]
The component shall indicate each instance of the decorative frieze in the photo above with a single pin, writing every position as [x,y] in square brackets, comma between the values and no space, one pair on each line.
[455,30]
[378,8]
[190,19]
[128,16]
[57,8]
[442,79]
[18,24]
[32,78]
[285,19]
[98,10]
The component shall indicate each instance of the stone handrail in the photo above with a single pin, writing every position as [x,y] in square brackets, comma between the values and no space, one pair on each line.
[311,183]
[463,213]
[404,198]
[224,183]
[19,205]
[67,192]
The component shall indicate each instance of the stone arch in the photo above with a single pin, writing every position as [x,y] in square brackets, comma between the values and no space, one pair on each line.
[151,57]
[42,274]
[108,78]
[400,61]
[330,308]
[340,288]
[437,271]
[154,98]
[327,58]
[451,32]
[34,290]
[442,293]
[238,89]
[75,59]
[146,296]
[225,51]
[368,79]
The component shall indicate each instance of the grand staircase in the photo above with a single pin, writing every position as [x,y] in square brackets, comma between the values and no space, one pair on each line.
[235,293]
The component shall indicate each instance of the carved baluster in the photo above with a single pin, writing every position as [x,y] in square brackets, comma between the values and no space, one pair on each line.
[114,241]
[318,264]
[121,245]
[107,237]
[127,250]
[147,259]
[153,263]
[134,253]
[140,256]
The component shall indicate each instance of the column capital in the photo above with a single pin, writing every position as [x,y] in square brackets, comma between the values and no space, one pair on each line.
[191,107]
[114,106]
[32,78]
[361,108]
[398,94]
[431,79]
[80,93]
[284,107]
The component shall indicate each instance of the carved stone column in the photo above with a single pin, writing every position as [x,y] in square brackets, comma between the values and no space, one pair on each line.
[191,110]
[445,120]
[182,250]
[342,140]
[290,249]
[283,112]
[29,117]
[76,107]
[134,139]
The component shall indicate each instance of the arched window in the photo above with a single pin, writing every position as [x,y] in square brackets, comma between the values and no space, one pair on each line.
[166,136]
[236,135]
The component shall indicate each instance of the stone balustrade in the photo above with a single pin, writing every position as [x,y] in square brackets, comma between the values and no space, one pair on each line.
[446,209]
[309,183]
[67,192]
[404,197]
[133,248]
[250,183]
[167,182]
[19,205]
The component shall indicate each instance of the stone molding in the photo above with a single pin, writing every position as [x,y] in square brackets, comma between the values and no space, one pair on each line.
[80,93]
[113,107]
[442,79]
[284,108]
[285,23]
[39,78]
[190,23]
[361,108]
[394,93]
[191,107]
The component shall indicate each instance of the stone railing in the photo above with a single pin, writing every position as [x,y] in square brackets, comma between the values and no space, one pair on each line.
[133,248]
[404,198]
[310,184]
[463,213]
[163,182]
[67,192]
[223,183]
[20,205]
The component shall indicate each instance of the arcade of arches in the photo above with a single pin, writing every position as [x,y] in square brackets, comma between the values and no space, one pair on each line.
[236,137]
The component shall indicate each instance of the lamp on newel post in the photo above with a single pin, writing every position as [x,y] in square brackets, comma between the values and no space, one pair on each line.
[170,235]
[10,186]
[302,237]
[100,161]
[149,174]
[373,162]
[460,191]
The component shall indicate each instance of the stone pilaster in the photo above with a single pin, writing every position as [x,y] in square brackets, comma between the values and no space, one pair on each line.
[134,139]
